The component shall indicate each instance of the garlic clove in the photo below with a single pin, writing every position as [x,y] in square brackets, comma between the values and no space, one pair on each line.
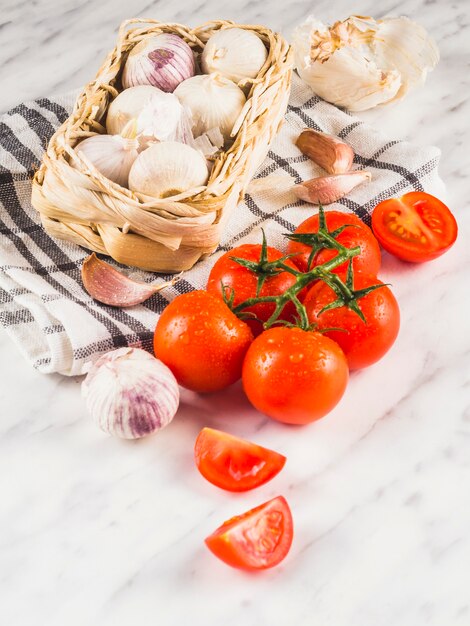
[332,154]
[404,46]
[167,169]
[235,53]
[107,285]
[328,189]
[129,393]
[164,61]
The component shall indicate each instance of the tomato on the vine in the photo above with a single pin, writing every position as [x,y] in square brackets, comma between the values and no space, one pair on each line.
[356,234]
[202,341]
[235,464]
[257,539]
[416,227]
[294,376]
[228,277]
[362,343]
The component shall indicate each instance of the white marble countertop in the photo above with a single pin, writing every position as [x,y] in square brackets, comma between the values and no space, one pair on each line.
[95,531]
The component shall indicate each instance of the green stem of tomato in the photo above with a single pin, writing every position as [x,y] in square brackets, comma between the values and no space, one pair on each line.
[302,280]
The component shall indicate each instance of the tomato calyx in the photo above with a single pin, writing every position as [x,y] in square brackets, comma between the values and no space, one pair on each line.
[264,268]
[346,294]
[320,240]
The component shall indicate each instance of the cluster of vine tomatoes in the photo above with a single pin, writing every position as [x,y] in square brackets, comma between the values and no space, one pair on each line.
[293,374]
[292,327]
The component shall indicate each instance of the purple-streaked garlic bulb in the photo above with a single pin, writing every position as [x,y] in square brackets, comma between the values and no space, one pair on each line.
[163,61]
[130,394]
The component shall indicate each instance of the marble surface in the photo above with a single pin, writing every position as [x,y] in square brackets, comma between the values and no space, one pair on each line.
[95,531]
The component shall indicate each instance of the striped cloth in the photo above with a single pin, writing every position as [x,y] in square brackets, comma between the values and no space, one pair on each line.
[43,306]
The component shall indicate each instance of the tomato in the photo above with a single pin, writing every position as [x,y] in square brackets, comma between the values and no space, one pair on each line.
[243,282]
[257,539]
[294,376]
[362,343]
[416,227]
[235,464]
[201,341]
[369,259]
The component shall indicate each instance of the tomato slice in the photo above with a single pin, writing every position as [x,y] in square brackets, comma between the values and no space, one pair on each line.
[235,464]
[258,539]
[416,227]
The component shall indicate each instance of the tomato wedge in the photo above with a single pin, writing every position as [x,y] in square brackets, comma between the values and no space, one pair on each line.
[235,464]
[257,539]
[416,227]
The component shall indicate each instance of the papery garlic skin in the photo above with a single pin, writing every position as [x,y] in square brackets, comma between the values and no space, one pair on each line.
[112,155]
[235,53]
[167,169]
[130,394]
[360,63]
[163,61]
[214,102]
[159,115]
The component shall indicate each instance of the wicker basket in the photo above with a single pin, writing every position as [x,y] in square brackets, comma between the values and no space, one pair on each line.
[168,235]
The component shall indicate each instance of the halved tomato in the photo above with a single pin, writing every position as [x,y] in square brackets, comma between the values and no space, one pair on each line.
[235,464]
[416,227]
[257,539]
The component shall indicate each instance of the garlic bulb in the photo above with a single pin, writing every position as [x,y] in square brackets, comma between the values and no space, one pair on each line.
[159,115]
[163,61]
[167,169]
[112,155]
[235,53]
[360,62]
[214,102]
[130,393]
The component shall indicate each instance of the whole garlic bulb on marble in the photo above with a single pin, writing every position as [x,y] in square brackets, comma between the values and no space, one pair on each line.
[130,393]
[360,62]
[235,53]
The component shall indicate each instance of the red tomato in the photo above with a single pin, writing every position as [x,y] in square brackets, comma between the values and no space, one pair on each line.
[243,282]
[416,227]
[257,539]
[201,341]
[294,376]
[235,464]
[369,259]
[363,344]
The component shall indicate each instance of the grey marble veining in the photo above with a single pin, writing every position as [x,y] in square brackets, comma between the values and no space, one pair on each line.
[95,531]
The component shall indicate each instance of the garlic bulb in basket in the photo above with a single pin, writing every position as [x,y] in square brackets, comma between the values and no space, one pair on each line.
[235,53]
[163,61]
[112,155]
[214,102]
[159,115]
[360,62]
[167,169]
[130,393]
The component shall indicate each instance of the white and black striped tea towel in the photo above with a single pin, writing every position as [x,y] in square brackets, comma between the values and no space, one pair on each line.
[43,305]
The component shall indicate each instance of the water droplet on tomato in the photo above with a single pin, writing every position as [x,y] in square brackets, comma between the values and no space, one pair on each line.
[184,338]
[296,358]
